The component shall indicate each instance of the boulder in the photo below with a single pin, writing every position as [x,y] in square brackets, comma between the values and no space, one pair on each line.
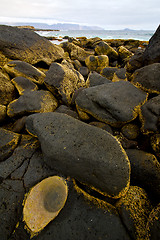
[3,113]
[113,103]
[63,81]
[67,110]
[147,78]
[79,150]
[150,115]
[152,51]
[7,89]
[27,46]
[32,101]
[145,170]
[124,53]
[84,71]
[97,63]
[153,224]
[22,69]
[134,209]
[102,48]
[23,84]
[95,79]
[108,72]
[130,131]
[8,143]
[119,75]
[135,62]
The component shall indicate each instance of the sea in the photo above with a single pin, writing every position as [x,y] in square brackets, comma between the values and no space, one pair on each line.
[143,35]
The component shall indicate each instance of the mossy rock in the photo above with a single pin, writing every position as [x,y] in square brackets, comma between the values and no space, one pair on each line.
[102,48]
[109,72]
[153,224]
[97,63]
[119,75]
[23,84]
[124,53]
[130,131]
[3,113]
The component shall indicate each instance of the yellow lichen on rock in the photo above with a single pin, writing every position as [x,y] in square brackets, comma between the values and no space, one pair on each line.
[44,202]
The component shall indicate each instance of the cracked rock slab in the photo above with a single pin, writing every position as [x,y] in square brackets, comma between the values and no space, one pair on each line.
[90,154]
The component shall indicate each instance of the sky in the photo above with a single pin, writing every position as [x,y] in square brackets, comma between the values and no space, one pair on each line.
[108,14]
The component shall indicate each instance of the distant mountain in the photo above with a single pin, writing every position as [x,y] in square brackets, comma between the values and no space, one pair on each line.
[57,26]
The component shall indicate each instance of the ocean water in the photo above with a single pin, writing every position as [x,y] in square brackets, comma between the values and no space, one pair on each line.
[143,35]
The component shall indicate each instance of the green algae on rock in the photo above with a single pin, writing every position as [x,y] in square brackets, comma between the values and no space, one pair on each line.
[44,202]
[97,63]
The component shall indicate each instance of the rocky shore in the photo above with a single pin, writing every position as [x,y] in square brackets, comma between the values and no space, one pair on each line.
[79,138]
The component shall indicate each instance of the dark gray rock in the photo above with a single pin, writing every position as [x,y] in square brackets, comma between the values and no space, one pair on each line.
[150,115]
[84,71]
[145,170]
[113,103]
[119,75]
[102,125]
[135,62]
[63,81]
[8,142]
[23,84]
[147,78]
[27,46]
[95,79]
[108,72]
[11,198]
[7,89]
[153,225]
[32,101]
[67,110]
[130,131]
[76,149]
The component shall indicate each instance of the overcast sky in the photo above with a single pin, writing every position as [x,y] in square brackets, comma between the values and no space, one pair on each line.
[109,14]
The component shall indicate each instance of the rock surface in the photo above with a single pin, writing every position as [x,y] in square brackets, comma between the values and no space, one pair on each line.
[97,63]
[23,84]
[7,89]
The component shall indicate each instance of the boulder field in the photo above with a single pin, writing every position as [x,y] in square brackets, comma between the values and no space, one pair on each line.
[79,138]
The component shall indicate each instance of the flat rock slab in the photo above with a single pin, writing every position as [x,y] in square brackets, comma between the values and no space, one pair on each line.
[113,103]
[22,69]
[91,155]
[147,78]
[28,46]
[32,101]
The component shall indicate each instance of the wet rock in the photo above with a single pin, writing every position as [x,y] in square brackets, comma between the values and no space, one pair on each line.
[103,126]
[147,78]
[18,68]
[32,101]
[153,225]
[66,145]
[95,79]
[102,48]
[23,152]
[152,52]
[150,115]
[63,81]
[119,75]
[23,84]
[8,143]
[155,143]
[7,89]
[108,72]
[124,53]
[130,131]
[113,103]
[134,209]
[97,63]
[11,198]
[27,46]
[3,113]
[145,170]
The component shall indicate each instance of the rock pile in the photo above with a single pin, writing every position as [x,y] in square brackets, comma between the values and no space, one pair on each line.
[79,138]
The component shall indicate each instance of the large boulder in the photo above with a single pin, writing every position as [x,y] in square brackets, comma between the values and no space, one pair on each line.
[28,46]
[63,81]
[147,78]
[79,150]
[114,103]
[32,101]
[7,89]
[103,48]
[95,79]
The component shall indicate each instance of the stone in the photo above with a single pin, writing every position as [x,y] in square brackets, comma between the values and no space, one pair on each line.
[67,110]
[66,144]
[152,51]
[124,53]
[103,126]
[83,217]
[7,89]
[119,75]
[130,131]
[97,63]
[102,48]
[23,84]
[145,171]
[27,46]
[11,198]
[134,209]
[108,72]
[32,101]
[63,81]
[126,143]
[155,144]
[150,115]
[18,68]
[95,79]
[44,202]
[113,103]
[3,113]
[19,125]
[84,71]
[135,62]
[8,143]
[153,224]
[147,78]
